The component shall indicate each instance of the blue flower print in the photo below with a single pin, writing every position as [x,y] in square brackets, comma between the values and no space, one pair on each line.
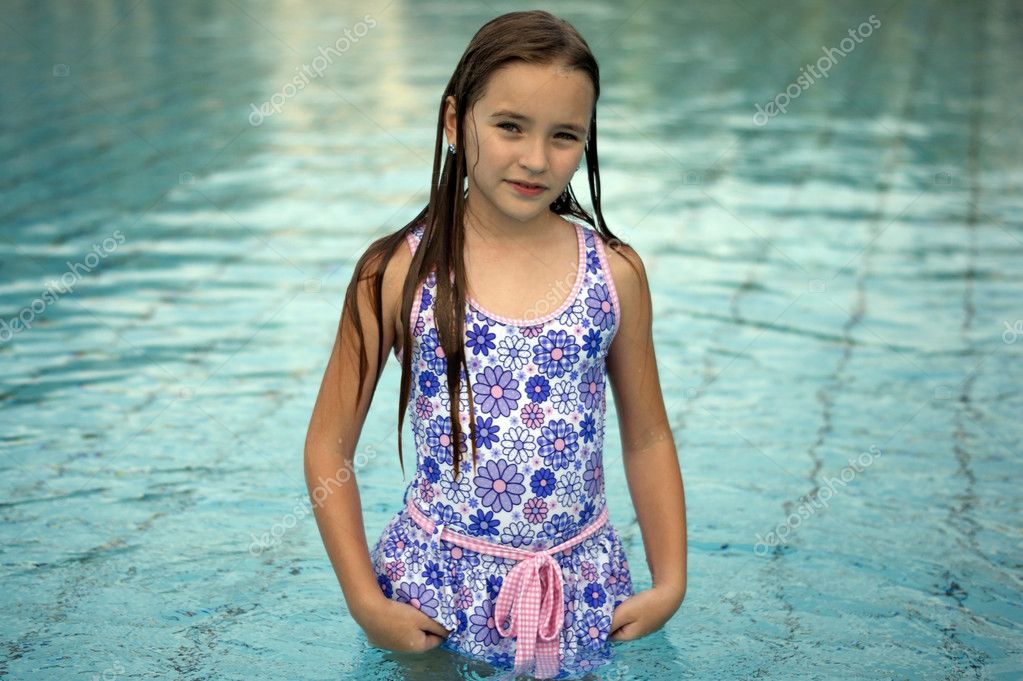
[446,514]
[588,428]
[617,581]
[495,390]
[426,299]
[555,352]
[573,314]
[559,527]
[586,513]
[462,621]
[467,560]
[456,490]
[518,534]
[395,544]
[483,523]
[438,439]
[433,353]
[591,343]
[418,596]
[596,626]
[590,387]
[513,352]
[486,432]
[594,594]
[431,469]
[600,308]
[385,585]
[538,388]
[502,661]
[494,583]
[482,625]
[563,397]
[569,487]
[558,443]
[592,262]
[499,483]
[428,383]
[433,574]
[518,444]
[480,339]
[542,483]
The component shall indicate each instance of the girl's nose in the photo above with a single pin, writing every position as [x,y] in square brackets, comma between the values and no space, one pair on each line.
[534,157]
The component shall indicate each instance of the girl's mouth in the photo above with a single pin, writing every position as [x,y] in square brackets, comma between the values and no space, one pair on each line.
[526,188]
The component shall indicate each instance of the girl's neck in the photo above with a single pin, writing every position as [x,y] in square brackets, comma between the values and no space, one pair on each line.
[498,233]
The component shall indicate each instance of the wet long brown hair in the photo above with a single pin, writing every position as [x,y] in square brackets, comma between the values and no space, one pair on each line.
[534,37]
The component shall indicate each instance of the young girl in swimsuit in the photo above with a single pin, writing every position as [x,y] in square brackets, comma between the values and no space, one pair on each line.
[508,557]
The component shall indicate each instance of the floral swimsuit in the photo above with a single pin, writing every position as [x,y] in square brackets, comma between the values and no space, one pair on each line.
[475,553]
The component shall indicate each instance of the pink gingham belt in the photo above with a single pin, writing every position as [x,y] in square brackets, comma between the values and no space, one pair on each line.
[531,594]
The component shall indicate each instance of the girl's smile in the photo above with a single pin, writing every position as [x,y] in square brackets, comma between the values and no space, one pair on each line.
[527,189]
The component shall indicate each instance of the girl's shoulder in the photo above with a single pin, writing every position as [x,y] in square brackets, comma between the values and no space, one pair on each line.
[621,259]
[395,272]
[414,235]
[628,273]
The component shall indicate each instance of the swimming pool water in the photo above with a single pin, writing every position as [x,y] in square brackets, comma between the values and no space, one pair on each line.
[837,324]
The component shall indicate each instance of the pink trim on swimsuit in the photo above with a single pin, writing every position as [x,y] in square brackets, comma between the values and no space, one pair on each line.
[611,290]
[410,240]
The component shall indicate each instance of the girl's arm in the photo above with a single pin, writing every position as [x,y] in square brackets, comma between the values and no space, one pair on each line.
[334,430]
[648,448]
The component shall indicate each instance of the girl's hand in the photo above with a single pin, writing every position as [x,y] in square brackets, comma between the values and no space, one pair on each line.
[398,626]
[644,613]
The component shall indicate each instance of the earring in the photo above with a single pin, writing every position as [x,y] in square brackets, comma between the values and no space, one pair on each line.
[451,148]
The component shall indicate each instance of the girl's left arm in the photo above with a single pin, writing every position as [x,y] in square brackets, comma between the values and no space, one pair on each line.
[648,447]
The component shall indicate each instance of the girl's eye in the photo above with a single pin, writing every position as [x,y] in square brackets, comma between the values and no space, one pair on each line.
[568,135]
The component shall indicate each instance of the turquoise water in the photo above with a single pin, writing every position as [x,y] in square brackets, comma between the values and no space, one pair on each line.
[838,326]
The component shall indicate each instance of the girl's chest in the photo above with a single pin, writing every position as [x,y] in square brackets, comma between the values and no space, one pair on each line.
[524,289]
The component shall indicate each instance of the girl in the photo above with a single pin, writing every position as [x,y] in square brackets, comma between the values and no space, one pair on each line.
[508,558]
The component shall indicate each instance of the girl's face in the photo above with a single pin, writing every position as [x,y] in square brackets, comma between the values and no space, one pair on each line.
[530,126]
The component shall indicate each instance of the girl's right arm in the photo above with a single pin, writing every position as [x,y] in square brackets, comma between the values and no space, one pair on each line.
[334,430]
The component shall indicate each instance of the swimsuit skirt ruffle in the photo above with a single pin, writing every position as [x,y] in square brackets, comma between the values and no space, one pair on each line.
[458,587]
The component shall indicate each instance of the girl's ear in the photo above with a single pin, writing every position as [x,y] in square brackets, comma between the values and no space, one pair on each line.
[450,119]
